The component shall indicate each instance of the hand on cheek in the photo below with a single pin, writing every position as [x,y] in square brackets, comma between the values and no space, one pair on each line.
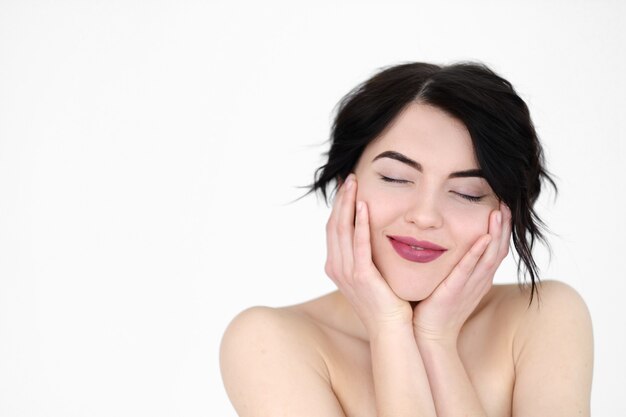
[439,317]
[349,264]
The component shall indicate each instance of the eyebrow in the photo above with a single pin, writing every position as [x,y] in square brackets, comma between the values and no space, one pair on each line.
[416,165]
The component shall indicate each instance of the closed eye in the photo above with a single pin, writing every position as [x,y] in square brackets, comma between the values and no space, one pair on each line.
[472,198]
[398,181]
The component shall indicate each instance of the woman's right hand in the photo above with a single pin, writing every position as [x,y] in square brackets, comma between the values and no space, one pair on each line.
[349,263]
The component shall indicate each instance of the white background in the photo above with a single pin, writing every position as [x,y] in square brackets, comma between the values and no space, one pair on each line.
[149,149]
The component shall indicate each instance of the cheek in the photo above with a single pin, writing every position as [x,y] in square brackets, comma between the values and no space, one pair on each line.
[381,212]
[468,226]
[366,194]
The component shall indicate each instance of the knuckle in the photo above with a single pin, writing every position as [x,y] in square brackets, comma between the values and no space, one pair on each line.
[361,275]
[490,263]
[346,272]
[329,269]
[358,278]
[343,229]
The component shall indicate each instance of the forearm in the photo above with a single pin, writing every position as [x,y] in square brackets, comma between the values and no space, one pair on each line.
[400,380]
[452,391]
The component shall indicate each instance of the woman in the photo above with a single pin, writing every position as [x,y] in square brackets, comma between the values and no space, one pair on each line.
[438,169]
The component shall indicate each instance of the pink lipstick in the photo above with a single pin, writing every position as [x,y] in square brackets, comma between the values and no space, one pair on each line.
[416,250]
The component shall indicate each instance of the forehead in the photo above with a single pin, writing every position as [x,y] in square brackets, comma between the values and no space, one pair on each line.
[428,135]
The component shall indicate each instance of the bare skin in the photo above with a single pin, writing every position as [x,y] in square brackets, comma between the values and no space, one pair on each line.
[346,353]
[467,348]
[313,359]
[325,361]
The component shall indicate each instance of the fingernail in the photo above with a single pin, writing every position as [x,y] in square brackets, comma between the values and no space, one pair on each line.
[359,205]
[349,183]
[499,217]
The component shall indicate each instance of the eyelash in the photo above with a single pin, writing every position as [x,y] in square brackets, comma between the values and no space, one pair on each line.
[473,199]
[387,179]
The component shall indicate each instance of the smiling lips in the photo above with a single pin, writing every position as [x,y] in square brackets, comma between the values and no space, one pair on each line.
[416,250]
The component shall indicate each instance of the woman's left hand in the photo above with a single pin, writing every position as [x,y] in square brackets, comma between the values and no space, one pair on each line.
[439,317]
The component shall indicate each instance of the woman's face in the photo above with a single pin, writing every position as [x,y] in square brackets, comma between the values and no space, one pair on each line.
[437,197]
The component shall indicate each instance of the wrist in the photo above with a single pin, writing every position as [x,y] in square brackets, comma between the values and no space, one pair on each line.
[399,320]
[388,330]
[436,343]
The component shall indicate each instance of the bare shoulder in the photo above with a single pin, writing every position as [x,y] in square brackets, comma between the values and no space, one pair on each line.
[556,310]
[555,301]
[557,304]
[270,364]
[271,324]
[553,345]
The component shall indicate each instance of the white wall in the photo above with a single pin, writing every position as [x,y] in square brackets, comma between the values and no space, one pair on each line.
[148,150]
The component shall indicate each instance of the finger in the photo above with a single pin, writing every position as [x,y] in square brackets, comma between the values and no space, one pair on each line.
[332,219]
[506,231]
[362,242]
[333,254]
[345,226]
[466,266]
[490,257]
[484,269]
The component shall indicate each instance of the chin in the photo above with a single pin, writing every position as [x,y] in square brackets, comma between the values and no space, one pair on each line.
[409,284]
[411,293]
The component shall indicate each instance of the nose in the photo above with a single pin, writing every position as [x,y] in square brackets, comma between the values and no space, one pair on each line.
[424,212]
